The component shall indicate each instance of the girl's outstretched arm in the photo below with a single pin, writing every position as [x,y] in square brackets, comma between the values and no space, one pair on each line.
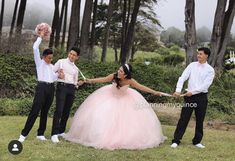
[143,88]
[108,78]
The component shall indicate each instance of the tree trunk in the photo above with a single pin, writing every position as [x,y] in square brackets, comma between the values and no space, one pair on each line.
[133,49]
[123,29]
[20,18]
[115,48]
[132,53]
[106,37]
[93,31]
[55,22]
[13,19]
[128,15]
[130,32]
[74,26]
[221,30]
[86,30]
[190,33]
[1,18]
[58,27]
[64,25]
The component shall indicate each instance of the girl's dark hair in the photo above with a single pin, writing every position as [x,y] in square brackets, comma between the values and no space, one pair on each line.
[127,71]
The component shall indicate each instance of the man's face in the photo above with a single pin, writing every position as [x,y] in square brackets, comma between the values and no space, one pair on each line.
[48,58]
[73,56]
[201,56]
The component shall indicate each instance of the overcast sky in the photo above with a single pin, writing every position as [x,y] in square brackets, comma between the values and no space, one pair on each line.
[170,12]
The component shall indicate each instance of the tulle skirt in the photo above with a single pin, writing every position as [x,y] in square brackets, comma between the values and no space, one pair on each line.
[112,118]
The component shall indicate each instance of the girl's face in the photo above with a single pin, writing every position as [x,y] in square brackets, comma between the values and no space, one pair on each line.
[121,73]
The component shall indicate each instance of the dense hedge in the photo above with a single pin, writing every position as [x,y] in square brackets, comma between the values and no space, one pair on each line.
[17,83]
[16,75]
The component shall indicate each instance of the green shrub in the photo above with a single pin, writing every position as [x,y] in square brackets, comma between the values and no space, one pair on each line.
[18,106]
[163,51]
[175,48]
[155,60]
[18,80]
[15,70]
[173,59]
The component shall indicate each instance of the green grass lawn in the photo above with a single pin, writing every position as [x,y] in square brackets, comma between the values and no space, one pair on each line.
[110,57]
[220,145]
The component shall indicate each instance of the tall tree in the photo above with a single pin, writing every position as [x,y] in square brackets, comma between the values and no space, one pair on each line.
[59,26]
[130,32]
[124,10]
[190,33]
[64,24]
[1,18]
[223,21]
[13,19]
[93,29]
[20,19]
[85,32]
[55,22]
[128,14]
[106,37]
[74,26]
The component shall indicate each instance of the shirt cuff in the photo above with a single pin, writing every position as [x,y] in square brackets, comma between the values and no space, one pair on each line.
[39,38]
[57,75]
[178,90]
[194,92]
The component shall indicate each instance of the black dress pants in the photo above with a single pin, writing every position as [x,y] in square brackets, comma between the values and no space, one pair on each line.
[197,103]
[43,99]
[65,94]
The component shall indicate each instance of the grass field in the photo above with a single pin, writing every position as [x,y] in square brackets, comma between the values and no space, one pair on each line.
[110,57]
[220,145]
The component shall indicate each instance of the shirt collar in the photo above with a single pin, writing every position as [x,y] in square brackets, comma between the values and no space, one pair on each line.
[45,62]
[204,64]
[72,63]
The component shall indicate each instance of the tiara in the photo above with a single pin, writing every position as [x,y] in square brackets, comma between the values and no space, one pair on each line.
[127,66]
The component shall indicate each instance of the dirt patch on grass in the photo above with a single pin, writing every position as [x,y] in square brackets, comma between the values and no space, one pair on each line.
[170,116]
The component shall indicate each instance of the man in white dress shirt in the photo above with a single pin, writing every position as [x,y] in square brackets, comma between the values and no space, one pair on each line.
[65,92]
[200,76]
[44,93]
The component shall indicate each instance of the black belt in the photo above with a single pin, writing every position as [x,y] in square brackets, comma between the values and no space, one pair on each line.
[65,84]
[46,83]
[200,94]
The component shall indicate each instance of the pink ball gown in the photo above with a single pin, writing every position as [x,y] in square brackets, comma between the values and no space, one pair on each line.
[112,118]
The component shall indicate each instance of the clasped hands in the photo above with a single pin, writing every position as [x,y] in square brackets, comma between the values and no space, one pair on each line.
[81,82]
[178,94]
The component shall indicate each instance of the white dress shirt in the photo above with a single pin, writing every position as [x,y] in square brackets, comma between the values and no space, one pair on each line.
[70,71]
[45,71]
[199,76]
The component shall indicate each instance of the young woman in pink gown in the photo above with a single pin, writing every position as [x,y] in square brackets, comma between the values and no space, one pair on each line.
[116,116]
